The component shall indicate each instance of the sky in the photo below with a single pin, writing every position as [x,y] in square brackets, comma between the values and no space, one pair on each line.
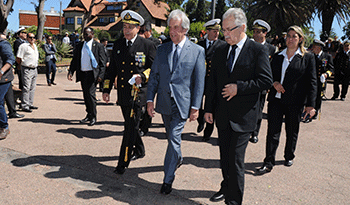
[13,18]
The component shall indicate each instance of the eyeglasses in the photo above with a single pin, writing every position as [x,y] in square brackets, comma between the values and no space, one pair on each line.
[32,37]
[228,30]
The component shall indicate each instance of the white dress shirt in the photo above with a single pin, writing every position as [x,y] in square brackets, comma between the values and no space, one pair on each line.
[237,51]
[85,58]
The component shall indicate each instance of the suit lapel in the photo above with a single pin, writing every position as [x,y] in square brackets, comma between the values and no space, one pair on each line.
[169,49]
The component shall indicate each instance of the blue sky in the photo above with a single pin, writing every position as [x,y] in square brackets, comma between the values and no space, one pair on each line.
[13,18]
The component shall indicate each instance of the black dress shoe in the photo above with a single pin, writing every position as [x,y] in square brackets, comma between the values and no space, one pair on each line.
[288,163]
[218,196]
[85,120]
[119,170]
[254,139]
[166,189]
[53,83]
[263,170]
[26,110]
[200,127]
[342,99]
[333,98]
[137,156]
[16,115]
[33,107]
[205,139]
[92,122]
[307,120]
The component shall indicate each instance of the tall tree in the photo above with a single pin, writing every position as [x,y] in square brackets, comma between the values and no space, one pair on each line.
[201,11]
[282,14]
[39,8]
[6,8]
[190,9]
[220,8]
[327,10]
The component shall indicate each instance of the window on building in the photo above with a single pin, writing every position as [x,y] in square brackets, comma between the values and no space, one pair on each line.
[113,8]
[111,19]
[69,21]
[79,21]
[158,22]
[101,20]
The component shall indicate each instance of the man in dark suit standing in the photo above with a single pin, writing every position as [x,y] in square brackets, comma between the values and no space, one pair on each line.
[342,72]
[210,44]
[177,77]
[89,61]
[261,28]
[21,38]
[131,62]
[240,72]
[324,69]
[50,60]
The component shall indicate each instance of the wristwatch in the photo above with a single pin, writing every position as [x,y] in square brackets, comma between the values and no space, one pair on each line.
[2,72]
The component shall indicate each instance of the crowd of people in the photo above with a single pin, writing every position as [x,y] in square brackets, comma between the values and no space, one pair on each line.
[215,81]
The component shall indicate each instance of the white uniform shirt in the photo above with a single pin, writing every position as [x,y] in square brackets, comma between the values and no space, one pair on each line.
[29,56]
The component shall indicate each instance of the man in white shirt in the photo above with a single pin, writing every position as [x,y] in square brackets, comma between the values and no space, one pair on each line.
[28,57]
[66,39]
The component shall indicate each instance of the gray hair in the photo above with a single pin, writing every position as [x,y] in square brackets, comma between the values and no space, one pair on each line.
[239,16]
[180,15]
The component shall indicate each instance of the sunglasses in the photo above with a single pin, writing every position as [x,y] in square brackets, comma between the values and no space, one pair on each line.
[32,37]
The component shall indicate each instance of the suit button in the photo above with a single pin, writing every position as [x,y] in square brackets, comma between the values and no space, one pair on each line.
[131,71]
[122,71]
[131,63]
[122,78]
[122,86]
[123,62]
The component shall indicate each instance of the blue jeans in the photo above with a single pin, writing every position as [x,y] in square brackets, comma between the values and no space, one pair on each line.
[174,126]
[3,117]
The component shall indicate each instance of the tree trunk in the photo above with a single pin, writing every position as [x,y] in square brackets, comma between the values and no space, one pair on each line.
[87,14]
[4,12]
[41,19]
[327,20]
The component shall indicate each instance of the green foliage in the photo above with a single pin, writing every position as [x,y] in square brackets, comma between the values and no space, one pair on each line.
[346,30]
[155,34]
[63,50]
[195,29]
[201,11]
[101,34]
[33,29]
[220,8]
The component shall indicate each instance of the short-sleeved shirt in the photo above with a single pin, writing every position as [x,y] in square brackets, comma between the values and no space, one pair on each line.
[29,56]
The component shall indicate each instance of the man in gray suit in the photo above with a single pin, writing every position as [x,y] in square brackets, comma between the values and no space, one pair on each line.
[177,76]
[50,60]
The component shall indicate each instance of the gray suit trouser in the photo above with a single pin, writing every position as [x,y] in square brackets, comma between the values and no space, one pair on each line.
[29,84]
[174,126]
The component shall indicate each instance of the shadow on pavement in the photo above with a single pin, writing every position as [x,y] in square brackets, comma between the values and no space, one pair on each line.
[89,133]
[128,188]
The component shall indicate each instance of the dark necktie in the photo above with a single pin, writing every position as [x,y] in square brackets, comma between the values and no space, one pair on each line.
[129,45]
[210,44]
[231,58]
[175,58]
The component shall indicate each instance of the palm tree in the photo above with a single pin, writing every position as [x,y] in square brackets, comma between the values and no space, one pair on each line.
[327,10]
[281,14]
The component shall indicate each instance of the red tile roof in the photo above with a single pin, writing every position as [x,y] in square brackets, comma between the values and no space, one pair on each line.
[157,10]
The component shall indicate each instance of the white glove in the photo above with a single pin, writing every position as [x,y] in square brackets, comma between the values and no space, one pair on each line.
[322,79]
[132,81]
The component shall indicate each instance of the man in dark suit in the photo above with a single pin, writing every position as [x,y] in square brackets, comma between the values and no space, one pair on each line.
[89,62]
[146,31]
[21,38]
[131,62]
[261,28]
[240,72]
[324,69]
[342,72]
[210,44]
[50,61]
[177,77]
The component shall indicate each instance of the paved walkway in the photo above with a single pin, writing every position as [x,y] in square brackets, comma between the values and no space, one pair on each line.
[49,158]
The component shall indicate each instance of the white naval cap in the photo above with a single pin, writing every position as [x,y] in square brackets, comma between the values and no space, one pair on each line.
[213,24]
[132,17]
[319,42]
[20,29]
[261,24]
